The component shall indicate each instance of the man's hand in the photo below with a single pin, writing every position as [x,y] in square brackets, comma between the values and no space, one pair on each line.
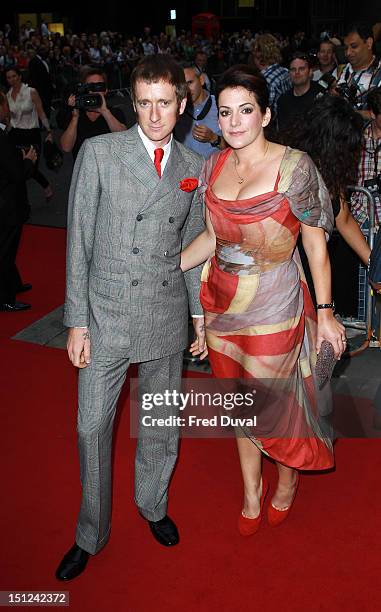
[198,347]
[202,133]
[103,108]
[78,346]
[71,102]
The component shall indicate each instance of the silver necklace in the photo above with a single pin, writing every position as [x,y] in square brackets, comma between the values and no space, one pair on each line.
[241,178]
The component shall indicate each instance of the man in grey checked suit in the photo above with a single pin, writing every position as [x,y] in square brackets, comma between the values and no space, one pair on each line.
[127,299]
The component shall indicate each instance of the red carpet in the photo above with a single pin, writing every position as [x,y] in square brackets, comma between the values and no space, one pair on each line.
[325,557]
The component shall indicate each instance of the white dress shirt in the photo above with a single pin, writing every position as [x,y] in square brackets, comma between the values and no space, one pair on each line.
[150,147]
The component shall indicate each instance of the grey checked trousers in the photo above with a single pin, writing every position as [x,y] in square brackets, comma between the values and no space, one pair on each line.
[99,387]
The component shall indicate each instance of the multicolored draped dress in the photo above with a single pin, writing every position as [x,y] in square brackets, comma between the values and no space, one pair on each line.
[260,321]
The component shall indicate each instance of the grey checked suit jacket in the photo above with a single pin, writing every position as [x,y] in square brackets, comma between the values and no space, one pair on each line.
[126,228]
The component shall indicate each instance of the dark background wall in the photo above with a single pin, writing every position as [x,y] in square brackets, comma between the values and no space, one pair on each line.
[276,15]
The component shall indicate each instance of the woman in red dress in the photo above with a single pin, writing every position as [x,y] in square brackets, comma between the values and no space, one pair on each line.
[260,323]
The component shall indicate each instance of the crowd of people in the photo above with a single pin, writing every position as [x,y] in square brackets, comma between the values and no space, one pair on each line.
[117,53]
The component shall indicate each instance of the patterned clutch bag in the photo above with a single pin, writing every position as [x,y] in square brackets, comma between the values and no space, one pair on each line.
[325,363]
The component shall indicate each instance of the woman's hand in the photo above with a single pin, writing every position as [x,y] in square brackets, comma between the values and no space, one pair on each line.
[329,328]
[31,154]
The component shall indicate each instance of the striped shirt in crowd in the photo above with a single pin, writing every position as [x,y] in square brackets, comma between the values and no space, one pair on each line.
[278,81]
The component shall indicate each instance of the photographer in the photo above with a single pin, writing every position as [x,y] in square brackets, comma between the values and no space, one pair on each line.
[363,70]
[369,169]
[89,121]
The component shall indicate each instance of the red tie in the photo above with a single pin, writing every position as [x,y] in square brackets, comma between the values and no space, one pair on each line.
[158,153]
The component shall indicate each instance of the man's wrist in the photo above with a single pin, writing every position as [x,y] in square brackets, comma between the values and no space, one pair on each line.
[216,141]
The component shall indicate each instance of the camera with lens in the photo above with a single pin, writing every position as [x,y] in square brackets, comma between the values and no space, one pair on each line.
[349,92]
[325,81]
[374,185]
[86,97]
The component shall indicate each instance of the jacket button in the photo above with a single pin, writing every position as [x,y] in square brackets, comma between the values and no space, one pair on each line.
[139,217]
[134,283]
[135,250]
[171,219]
[165,283]
[166,253]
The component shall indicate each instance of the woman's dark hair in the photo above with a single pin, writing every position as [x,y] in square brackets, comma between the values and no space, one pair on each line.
[374,100]
[16,70]
[248,77]
[331,134]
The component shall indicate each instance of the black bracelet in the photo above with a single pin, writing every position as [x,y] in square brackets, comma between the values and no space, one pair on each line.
[217,142]
[321,306]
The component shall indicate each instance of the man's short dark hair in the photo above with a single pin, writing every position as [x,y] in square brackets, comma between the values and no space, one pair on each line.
[192,65]
[87,71]
[374,100]
[327,42]
[364,30]
[305,57]
[162,67]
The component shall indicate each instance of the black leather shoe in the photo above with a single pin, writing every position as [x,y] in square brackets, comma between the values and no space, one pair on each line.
[15,307]
[165,531]
[24,287]
[73,563]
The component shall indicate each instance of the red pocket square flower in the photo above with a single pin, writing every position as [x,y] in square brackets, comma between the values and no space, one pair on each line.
[189,184]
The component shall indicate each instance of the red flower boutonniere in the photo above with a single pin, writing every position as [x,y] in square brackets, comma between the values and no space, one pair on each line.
[188,184]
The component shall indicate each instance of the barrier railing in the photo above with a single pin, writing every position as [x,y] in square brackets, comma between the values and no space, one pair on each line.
[367,325]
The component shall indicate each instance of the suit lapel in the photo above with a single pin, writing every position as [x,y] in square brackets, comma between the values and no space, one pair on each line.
[132,152]
[172,175]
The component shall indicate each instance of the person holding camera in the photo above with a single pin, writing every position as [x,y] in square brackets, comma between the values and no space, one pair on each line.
[363,70]
[89,120]
[369,169]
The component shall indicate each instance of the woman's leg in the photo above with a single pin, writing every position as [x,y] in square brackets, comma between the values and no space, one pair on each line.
[35,139]
[284,494]
[251,465]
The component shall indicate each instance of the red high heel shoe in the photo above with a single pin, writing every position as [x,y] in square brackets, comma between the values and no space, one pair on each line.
[248,526]
[276,517]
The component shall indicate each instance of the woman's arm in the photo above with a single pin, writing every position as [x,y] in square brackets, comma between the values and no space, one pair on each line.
[316,250]
[40,111]
[200,249]
[350,231]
